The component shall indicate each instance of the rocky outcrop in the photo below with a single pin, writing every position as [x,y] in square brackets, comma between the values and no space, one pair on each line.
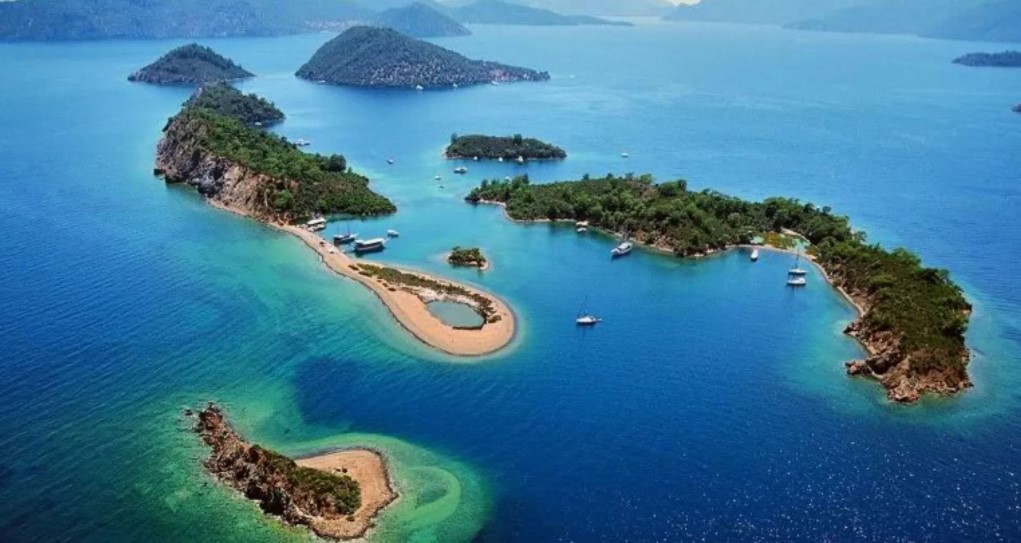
[182,158]
[905,374]
[298,495]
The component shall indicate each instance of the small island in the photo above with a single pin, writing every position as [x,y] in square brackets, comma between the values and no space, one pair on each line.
[251,172]
[190,65]
[336,495]
[1006,59]
[912,319]
[506,148]
[419,20]
[225,100]
[468,256]
[365,56]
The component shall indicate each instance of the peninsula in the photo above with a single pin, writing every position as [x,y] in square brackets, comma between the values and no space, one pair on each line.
[225,100]
[190,65]
[366,56]
[507,148]
[912,318]
[1006,59]
[468,256]
[336,495]
[257,174]
[507,13]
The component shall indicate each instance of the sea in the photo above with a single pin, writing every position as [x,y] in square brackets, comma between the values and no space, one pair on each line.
[710,404]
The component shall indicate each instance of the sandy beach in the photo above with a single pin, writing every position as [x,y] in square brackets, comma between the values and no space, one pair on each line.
[411,311]
[408,309]
[368,468]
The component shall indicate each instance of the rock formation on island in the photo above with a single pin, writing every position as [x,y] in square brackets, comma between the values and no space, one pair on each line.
[325,502]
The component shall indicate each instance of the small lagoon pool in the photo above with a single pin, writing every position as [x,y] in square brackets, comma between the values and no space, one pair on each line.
[456,314]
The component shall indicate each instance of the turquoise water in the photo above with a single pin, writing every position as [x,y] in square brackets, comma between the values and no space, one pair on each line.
[710,403]
[456,314]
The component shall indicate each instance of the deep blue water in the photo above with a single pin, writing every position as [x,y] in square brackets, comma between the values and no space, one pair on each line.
[710,405]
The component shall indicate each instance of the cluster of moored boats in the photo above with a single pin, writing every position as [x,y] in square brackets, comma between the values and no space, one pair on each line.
[796,276]
[358,246]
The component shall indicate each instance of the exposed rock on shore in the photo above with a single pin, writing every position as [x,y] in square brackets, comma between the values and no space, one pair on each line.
[325,502]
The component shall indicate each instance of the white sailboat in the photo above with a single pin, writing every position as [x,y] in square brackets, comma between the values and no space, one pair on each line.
[797,270]
[586,319]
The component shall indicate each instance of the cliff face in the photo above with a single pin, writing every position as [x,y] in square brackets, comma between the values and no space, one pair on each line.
[271,479]
[181,157]
[906,374]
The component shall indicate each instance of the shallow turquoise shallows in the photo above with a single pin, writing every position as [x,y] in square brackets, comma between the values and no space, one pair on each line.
[710,404]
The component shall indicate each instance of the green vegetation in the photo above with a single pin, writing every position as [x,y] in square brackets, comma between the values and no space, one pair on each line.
[382,57]
[921,306]
[342,490]
[190,65]
[415,281]
[228,101]
[507,148]
[1006,59]
[465,256]
[301,185]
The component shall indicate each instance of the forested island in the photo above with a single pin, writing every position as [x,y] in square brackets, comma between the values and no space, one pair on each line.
[467,256]
[225,100]
[190,65]
[505,147]
[328,501]
[419,20]
[258,173]
[1006,59]
[913,318]
[381,57]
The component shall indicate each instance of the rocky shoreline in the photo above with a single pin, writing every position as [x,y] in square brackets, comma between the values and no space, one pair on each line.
[331,504]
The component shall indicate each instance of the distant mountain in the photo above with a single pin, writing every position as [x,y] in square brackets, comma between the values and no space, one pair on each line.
[885,17]
[612,8]
[1006,59]
[190,65]
[998,20]
[507,13]
[366,56]
[756,12]
[53,20]
[419,20]
[978,20]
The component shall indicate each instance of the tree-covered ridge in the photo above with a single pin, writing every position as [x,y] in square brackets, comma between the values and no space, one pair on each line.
[191,64]
[298,185]
[1006,59]
[228,101]
[381,57]
[419,20]
[921,307]
[505,147]
[467,256]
